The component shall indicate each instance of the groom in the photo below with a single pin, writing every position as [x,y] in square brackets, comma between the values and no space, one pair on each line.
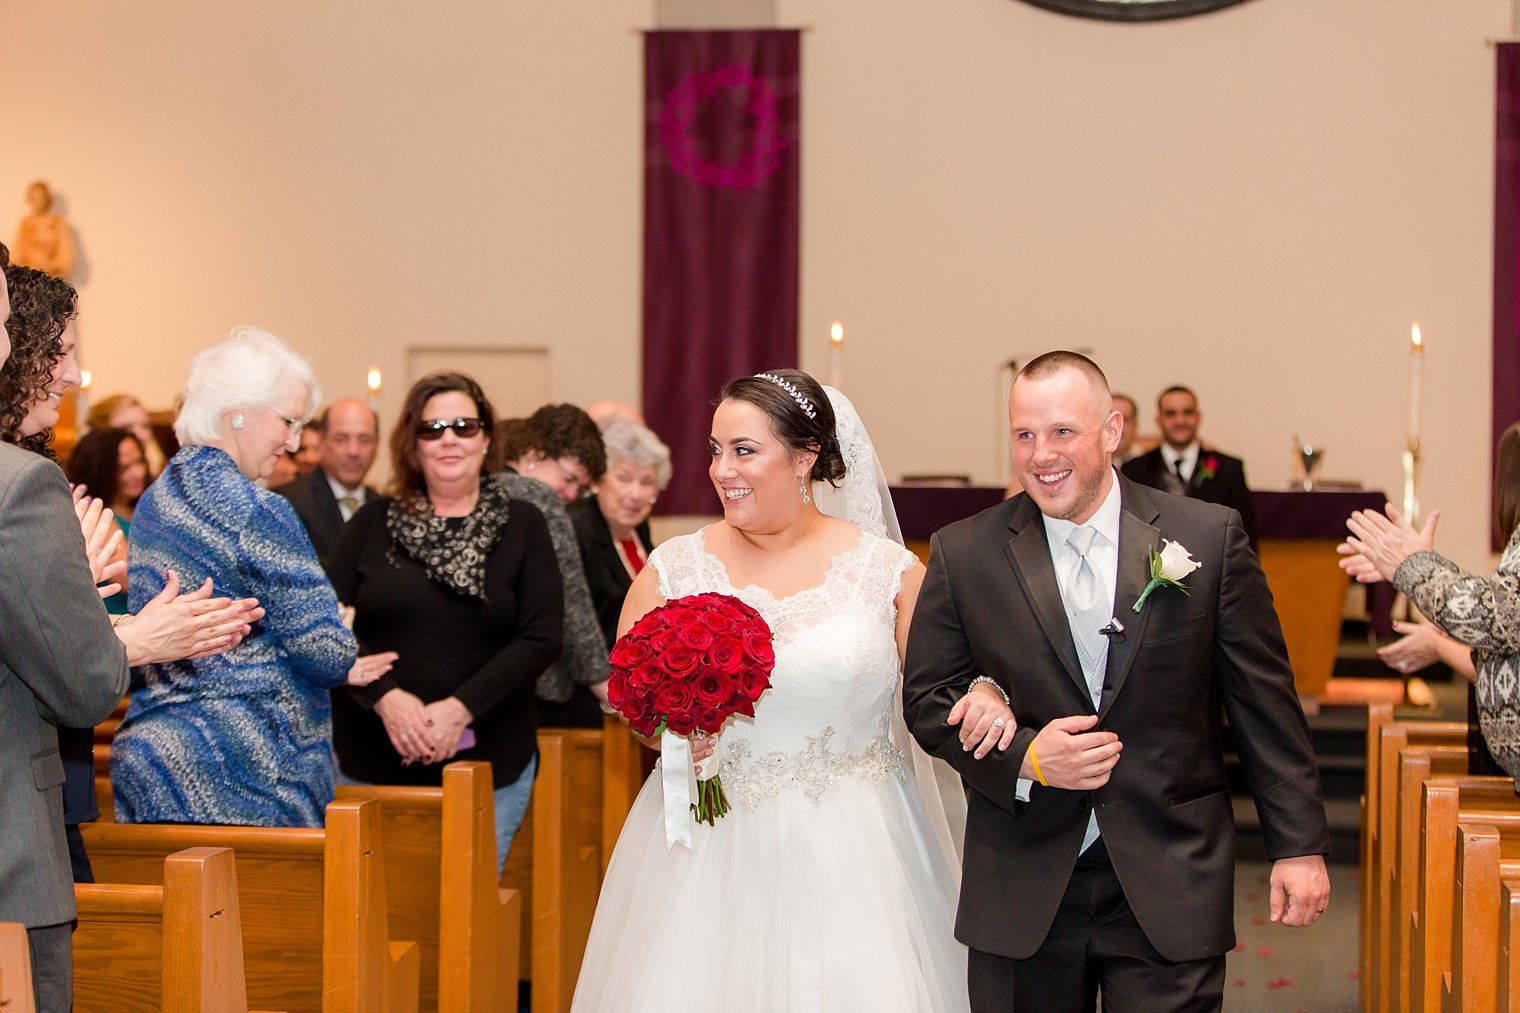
[1100,846]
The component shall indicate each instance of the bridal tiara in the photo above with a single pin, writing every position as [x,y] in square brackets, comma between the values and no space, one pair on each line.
[803,401]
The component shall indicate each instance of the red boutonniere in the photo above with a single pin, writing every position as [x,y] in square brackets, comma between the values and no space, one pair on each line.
[1210,467]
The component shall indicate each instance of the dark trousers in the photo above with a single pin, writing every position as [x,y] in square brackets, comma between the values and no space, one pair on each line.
[52,953]
[1094,943]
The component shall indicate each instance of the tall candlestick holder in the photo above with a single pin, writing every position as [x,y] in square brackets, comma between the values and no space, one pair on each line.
[1411,502]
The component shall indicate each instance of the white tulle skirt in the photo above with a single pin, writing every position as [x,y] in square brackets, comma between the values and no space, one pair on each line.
[843,904]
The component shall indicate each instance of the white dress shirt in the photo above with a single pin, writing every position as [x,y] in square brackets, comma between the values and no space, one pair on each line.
[1187,455]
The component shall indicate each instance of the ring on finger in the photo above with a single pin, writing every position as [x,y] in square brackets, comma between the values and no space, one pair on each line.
[999,723]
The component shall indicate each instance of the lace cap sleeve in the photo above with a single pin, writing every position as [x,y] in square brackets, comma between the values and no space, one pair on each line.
[685,567]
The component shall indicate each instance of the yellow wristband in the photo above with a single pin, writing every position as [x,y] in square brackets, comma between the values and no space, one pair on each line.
[1034,761]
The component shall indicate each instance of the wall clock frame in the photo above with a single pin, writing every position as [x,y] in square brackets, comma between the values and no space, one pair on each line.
[1133,10]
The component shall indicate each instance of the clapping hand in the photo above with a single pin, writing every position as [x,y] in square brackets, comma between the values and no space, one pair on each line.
[103,542]
[985,720]
[176,627]
[1378,544]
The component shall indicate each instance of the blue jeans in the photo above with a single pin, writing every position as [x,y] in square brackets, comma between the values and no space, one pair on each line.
[511,802]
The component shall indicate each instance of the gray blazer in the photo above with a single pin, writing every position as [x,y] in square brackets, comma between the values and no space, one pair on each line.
[60,663]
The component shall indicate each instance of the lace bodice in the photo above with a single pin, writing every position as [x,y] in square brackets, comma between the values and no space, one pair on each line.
[829,708]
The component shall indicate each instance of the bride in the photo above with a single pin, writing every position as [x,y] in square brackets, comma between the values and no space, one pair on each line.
[831,883]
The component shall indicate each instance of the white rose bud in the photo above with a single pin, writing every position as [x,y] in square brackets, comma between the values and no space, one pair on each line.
[1176,561]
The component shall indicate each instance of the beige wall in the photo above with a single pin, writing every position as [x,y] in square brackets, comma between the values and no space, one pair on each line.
[1256,202]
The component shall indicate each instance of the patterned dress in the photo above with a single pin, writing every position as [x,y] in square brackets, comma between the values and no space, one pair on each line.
[1482,612]
[241,738]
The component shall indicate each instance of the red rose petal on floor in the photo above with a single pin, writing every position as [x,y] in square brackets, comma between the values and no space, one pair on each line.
[1258,920]
[1237,983]
[1238,947]
[1355,975]
[1252,895]
[1263,951]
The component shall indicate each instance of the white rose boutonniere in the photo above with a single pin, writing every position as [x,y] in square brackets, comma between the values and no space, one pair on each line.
[1168,568]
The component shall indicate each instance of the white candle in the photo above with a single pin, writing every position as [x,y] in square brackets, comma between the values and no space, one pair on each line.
[1416,365]
[836,355]
[374,387]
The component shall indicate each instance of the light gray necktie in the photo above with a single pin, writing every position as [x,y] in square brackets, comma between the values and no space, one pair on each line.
[1087,612]
[347,505]
[1176,480]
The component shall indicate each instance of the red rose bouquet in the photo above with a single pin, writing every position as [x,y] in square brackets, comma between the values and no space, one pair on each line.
[687,667]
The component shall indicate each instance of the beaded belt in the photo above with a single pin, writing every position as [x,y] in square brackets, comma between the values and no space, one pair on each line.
[814,770]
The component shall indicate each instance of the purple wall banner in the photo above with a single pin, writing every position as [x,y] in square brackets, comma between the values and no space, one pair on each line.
[1506,237]
[721,189]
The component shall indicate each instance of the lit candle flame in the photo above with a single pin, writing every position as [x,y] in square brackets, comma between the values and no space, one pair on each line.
[1416,344]
[84,378]
[836,333]
[374,381]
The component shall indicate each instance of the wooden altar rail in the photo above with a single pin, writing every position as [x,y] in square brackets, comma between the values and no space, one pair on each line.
[175,948]
[315,926]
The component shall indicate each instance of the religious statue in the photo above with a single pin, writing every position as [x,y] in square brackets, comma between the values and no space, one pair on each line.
[43,239]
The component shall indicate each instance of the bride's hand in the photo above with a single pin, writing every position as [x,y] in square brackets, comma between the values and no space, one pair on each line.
[702,746]
[985,720]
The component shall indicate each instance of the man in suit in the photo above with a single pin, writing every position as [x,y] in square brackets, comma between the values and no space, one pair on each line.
[327,496]
[1099,845]
[1182,466]
[1128,412]
[60,663]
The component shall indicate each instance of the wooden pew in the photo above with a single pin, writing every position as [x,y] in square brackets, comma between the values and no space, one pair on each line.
[442,891]
[1481,870]
[1378,715]
[1509,947]
[313,901]
[15,970]
[1447,802]
[176,948]
[1445,746]
[556,861]
[626,764]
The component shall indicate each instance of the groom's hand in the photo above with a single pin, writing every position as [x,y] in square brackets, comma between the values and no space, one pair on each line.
[1071,757]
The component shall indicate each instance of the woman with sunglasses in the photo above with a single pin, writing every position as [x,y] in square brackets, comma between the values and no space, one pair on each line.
[459,581]
[553,458]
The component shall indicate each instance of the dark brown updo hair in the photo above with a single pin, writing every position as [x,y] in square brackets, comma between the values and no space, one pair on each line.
[789,418]
[406,473]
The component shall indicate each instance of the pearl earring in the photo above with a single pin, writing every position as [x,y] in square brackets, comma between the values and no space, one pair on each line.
[237,421]
[806,499]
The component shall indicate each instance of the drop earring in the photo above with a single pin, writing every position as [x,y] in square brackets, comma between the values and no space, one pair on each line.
[806,499]
[238,421]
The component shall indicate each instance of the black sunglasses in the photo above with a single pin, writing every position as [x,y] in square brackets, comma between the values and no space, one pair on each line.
[434,429]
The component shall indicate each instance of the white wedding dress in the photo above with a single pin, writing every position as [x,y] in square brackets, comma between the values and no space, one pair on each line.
[826,887]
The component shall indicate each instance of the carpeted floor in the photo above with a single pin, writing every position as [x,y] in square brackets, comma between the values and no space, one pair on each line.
[1281,970]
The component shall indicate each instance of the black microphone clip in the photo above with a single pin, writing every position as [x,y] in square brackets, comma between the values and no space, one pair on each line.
[1114,630]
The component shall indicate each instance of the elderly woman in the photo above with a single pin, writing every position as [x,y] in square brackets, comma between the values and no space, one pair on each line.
[612,527]
[459,581]
[552,459]
[244,737]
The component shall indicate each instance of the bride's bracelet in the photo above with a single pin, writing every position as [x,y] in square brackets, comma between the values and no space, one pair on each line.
[989,680]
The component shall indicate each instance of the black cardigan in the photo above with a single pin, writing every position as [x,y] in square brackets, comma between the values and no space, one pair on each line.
[488,654]
[603,562]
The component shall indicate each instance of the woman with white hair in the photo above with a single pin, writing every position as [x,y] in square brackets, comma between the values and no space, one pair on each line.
[242,738]
[612,526]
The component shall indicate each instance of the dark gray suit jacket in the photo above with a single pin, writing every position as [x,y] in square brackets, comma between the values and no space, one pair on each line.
[60,663]
[990,605]
[315,504]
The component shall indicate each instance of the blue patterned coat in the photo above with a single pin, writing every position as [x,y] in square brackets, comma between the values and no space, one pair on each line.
[245,737]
